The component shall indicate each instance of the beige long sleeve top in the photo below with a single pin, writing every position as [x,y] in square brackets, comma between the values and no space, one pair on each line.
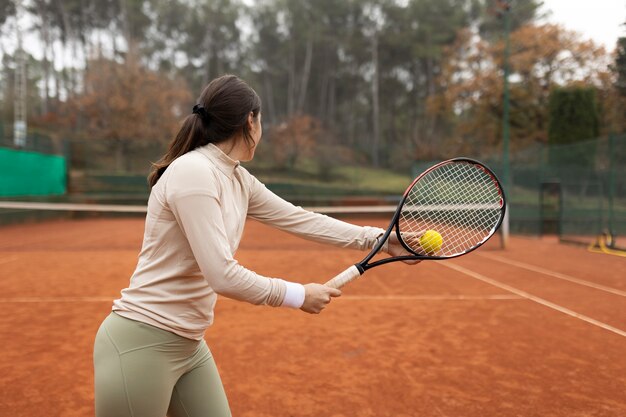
[195,220]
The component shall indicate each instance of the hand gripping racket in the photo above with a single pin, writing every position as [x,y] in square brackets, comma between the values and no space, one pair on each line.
[449,210]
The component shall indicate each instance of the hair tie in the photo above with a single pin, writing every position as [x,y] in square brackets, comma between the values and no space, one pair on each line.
[201,111]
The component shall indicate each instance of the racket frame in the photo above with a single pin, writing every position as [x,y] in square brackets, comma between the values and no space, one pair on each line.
[394,225]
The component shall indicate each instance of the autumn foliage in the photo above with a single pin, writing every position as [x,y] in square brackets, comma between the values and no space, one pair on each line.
[542,58]
[128,102]
[293,139]
[381,83]
[125,104]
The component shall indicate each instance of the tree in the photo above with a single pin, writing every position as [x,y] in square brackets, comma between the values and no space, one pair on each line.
[413,53]
[294,139]
[620,66]
[542,58]
[573,118]
[616,102]
[212,41]
[125,104]
[390,79]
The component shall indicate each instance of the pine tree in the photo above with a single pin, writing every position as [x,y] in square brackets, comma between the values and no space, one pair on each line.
[620,66]
[573,118]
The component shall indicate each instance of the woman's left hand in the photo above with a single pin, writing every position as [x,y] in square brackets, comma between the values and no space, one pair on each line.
[395,248]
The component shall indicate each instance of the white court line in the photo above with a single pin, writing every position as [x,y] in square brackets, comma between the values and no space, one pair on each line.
[531,297]
[427,297]
[23,247]
[20,245]
[345,297]
[26,205]
[7,260]
[57,299]
[558,275]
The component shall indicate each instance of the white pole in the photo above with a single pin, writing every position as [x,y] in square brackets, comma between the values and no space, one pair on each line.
[19,104]
[504,229]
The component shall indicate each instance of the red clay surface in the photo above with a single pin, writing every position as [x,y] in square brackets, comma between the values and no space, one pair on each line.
[425,340]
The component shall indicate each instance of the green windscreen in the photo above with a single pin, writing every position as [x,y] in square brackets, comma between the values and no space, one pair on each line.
[29,173]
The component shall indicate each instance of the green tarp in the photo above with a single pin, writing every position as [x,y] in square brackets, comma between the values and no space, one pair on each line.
[29,173]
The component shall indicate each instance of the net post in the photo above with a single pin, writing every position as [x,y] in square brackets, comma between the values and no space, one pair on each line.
[504,229]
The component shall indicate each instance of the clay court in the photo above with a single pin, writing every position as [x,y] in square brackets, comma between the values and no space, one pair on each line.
[538,329]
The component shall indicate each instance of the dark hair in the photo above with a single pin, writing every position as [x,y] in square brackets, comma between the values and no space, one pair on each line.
[226,101]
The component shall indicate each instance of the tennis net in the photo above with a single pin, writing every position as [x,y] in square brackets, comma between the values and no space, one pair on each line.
[12,212]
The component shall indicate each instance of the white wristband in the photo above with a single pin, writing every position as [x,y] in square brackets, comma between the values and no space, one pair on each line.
[294,296]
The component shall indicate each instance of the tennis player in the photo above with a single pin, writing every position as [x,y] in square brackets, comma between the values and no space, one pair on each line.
[150,357]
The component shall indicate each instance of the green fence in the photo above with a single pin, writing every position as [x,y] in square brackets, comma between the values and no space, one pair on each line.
[593,195]
[576,191]
[554,190]
[25,173]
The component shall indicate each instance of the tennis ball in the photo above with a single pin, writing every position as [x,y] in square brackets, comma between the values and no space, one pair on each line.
[431,242]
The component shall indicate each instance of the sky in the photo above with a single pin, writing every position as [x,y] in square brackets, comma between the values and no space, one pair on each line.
[600,20]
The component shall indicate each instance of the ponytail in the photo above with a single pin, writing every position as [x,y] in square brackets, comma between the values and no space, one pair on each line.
[222,111]
[191,135]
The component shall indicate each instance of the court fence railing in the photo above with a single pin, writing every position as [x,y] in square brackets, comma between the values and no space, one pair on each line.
[575,191]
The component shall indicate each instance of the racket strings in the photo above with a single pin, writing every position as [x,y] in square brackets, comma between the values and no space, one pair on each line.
[459,200]
[448,191]
[470,215]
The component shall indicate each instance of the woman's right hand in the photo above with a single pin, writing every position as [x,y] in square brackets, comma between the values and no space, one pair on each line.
[316,296]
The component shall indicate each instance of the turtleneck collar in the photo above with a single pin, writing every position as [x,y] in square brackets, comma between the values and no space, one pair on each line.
[223,162]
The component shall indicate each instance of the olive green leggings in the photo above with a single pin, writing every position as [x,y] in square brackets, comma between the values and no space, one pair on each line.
[143,371]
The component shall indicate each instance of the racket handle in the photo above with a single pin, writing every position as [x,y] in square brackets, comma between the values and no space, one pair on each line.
[343,278]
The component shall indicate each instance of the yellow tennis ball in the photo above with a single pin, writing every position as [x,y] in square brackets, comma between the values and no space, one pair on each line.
[431,242]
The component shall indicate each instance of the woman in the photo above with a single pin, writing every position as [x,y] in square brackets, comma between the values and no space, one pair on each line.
[150,357]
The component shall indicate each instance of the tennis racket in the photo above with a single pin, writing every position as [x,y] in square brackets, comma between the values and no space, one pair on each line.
[449,210]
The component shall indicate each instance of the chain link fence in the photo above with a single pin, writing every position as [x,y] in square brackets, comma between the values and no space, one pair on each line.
[575,191]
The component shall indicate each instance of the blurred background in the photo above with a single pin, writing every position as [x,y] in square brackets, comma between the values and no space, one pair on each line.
[358,97]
